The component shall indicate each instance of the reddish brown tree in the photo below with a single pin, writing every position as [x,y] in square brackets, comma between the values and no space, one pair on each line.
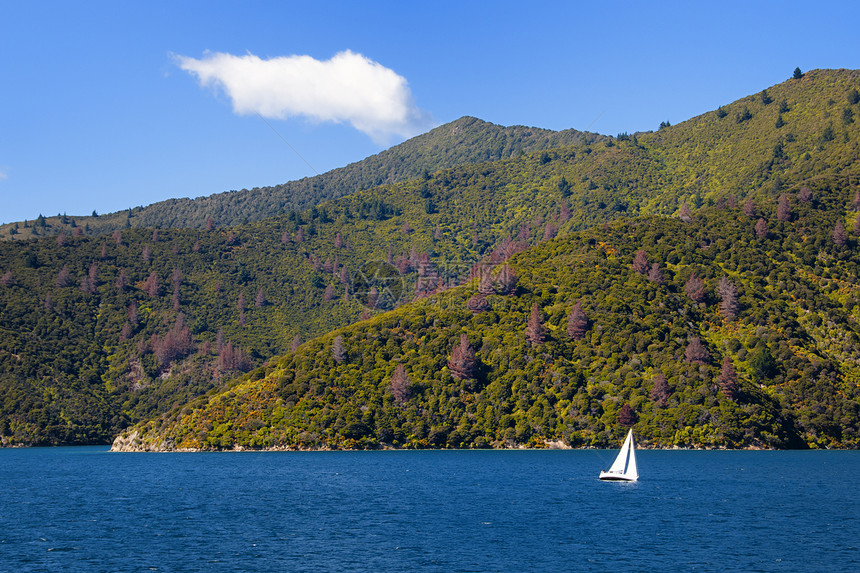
[804,195]
[857,225]
[506,281]
[210,223]
[300,235]
[462,363]
[117,237]
[535,330]
[728,379]
[549,231]
[729,306]
[146,254]
[151,286]
[749,207]
[856,202]
[400,385]
[232,358]
[655,274]
[577,322]
[695,288]
[478,303]
[627,416]
[685,214]
[294,345]
[485,284]
[8,279]
[240,306]
[696,352]
[260,301]
[64,277]
[132,313]
[104,251]
[338,352]
[338,241]
[840,237]
[660,392]
[121,281]
[61,239]
[329,293]
[640,262]
[783,210]
[126,332]
[175,344]
[761,229]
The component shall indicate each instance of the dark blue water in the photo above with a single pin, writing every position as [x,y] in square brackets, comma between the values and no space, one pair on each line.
[85,509]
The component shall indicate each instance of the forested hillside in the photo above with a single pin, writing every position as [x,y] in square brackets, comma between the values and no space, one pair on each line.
[466,140]
[736,326]
[100,332]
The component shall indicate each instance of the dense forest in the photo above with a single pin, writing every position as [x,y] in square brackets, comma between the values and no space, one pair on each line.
[99,332]
[466,140]
[707,330]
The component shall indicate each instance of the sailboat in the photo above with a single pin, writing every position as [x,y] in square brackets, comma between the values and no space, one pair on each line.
[624,466]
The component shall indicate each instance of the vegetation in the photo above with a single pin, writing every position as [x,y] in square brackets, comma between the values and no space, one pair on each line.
[466,140]
[783,372]
[97,333]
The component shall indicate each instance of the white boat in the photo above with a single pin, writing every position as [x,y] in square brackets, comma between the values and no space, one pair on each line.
[624,466]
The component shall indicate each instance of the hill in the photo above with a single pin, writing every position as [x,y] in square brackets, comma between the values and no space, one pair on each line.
[764,352]
[100,332]
[466,140]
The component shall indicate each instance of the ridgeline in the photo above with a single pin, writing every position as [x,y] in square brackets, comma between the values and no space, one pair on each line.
[100,332]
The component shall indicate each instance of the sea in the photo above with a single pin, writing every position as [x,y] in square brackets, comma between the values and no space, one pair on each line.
[87,509]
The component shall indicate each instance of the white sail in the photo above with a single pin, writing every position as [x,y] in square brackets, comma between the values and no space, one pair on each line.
[631,465]
[624,466]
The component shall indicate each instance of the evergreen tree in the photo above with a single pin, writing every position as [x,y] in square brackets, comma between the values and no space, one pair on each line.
[797,74]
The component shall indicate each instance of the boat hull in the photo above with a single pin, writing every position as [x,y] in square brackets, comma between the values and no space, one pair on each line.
[616,477]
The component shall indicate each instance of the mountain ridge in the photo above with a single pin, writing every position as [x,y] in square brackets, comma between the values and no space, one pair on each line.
[462,141]
[91,366]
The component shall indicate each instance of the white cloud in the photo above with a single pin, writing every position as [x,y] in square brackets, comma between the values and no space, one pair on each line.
[347,88]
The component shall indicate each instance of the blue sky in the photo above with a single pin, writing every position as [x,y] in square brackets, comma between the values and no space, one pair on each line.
[109,105]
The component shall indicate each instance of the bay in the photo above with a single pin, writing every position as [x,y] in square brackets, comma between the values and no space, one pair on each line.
[87,509]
